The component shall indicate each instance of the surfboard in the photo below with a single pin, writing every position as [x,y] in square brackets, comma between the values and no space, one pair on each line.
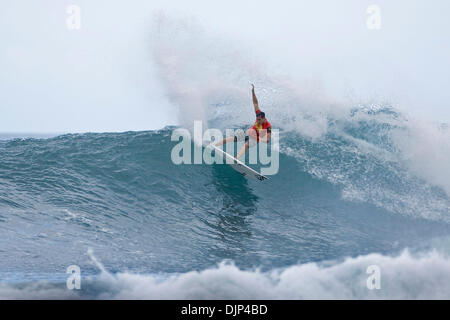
[239,166]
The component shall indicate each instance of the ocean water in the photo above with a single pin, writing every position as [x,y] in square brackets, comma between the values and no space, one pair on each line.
[139,226]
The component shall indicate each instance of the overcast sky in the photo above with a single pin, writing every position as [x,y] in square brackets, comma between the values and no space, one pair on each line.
[102,77]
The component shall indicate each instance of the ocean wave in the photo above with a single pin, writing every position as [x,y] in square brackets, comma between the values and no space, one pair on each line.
[121,194]
[372,151]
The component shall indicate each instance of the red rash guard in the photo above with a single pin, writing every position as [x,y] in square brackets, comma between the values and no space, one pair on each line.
[256,128]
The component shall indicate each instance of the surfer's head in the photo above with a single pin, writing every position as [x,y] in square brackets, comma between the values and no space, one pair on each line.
[261,117]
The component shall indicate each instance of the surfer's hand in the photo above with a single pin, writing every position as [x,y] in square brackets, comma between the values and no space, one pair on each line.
[253,86]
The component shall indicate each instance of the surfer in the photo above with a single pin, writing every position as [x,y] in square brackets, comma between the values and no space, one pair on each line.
[260,132]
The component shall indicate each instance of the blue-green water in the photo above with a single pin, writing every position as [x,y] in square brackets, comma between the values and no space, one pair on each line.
[120,195]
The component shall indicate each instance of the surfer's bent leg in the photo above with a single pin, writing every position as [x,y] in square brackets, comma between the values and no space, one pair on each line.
[244,148]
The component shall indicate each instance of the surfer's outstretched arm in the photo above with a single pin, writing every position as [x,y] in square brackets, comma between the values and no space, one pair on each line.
[255,101]
[224,141]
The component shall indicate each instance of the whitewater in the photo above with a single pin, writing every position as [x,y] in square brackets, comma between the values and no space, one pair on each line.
[359,184]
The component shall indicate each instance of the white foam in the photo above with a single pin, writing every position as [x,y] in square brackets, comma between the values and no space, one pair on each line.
[425,150]
[208,77]
[402,277]
[406,276]
[397,165]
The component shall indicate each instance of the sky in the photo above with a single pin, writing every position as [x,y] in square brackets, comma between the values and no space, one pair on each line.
[102,77]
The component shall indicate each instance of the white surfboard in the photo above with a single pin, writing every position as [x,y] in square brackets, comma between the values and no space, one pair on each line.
[239,166]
